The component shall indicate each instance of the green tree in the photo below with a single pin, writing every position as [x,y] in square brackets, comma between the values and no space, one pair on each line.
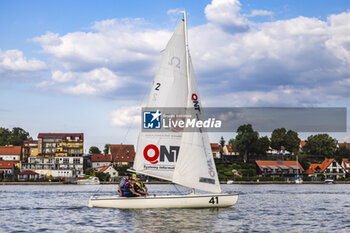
[292,141]
[320,144]
[90,171]
[106,149]
[4,136]
[222,141]
[278,138]
[18,135]
[246,140]
[262,145]
[94,150]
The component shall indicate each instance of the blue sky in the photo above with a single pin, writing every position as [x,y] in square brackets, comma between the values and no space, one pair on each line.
[87,66]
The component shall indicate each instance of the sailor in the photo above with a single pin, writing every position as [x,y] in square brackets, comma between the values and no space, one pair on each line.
[140,187]
[129,189]
[122,183]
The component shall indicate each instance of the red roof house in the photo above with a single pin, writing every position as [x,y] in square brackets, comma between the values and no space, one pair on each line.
[122,153]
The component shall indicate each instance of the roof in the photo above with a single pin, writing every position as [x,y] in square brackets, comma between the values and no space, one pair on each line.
[322,166]
[215,147]
[102,169]
[344,144]
[229,148]
[100,158]
[6,164]
[346,163]
[28,172]
[10,150]
[62,135]
[122,153]
[278,165]
[302,143]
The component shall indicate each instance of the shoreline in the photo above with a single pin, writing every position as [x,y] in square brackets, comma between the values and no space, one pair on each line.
[223,183]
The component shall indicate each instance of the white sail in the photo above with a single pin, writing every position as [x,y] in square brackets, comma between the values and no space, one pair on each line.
[195,166]
[157,152]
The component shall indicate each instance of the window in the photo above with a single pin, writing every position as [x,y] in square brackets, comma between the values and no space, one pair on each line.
[334,164]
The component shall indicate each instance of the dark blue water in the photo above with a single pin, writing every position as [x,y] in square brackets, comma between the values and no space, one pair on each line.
[260,208]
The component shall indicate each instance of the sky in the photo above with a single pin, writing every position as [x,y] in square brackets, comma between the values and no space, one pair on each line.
[87,66]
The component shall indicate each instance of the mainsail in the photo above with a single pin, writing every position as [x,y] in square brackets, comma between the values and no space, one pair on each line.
[169,90]
[175,86]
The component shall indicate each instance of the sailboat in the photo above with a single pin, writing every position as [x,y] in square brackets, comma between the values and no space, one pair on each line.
[298,179]
[184,158]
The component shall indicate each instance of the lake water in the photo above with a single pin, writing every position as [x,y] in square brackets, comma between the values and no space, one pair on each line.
[260,208]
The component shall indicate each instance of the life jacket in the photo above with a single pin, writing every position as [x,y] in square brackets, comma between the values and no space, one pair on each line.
[139,186]
[127,188]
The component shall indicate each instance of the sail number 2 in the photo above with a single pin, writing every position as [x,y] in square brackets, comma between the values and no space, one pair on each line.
[214,200]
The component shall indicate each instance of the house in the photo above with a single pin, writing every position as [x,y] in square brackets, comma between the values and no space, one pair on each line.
[11,153]
[7,169]
[122,155]
[279,168]
[28,175]
[216,149]
[346,166]
[329,168]
[100,160]
[29,148]
[302,144]
[58,166]
[282,151]
[108,169]
[228,150]
[344,144]
[60,144]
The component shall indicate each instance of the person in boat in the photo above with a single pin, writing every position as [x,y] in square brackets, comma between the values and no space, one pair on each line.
[140,187]
[122,183]
[129,189]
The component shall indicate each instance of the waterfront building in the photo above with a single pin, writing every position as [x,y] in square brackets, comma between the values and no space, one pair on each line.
[28,175]
[346,166]
[122,155]
[60,144]
[59,166]
[11,153]
[108,169]
[329,168]
[228,150]
[100,160]
[216,150]
[279,168]
[7,169]
[344,144]
[30,148]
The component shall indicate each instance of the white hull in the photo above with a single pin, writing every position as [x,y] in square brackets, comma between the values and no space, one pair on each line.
[90,180]
[165,202]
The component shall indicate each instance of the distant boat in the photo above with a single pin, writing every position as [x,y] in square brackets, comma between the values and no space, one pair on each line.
[230,182]
[298,179]
[329,181]
[90,180]
[175,86]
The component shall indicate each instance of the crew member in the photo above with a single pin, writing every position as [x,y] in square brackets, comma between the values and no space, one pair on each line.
[140,187]
[129,189]
[122,183]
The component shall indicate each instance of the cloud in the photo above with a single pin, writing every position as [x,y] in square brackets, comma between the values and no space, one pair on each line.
[300,61]
[126,116]
[255,13]
[14,64]
[96,82]
[226,13]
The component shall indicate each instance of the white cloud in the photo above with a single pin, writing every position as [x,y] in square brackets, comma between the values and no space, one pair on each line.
[96,82]
[15,61]
[226,13]
[126,116]
[260,13]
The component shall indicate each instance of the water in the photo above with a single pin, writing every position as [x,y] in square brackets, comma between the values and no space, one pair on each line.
[260,208]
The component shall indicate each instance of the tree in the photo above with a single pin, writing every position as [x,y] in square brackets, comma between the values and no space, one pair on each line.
[18,135]
[292,141]
[94,150]
[246,140]
[222,142]
[14,137]
[4,136]
[320,144]
[106,149]
[278,138]
[262,145]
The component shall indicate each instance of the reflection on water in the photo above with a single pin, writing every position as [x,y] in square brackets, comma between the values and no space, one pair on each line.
[261,208]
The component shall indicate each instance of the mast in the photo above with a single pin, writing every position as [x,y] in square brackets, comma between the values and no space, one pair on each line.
[186,52]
